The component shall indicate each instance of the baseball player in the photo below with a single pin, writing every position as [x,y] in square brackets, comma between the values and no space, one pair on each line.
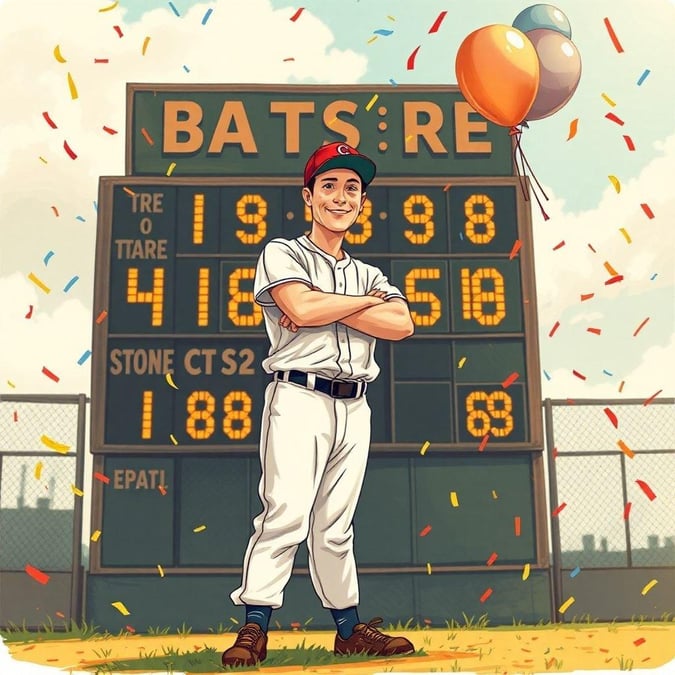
[323,311]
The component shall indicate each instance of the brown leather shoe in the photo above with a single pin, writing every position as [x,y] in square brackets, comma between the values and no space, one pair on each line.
[249,648]
[368,640]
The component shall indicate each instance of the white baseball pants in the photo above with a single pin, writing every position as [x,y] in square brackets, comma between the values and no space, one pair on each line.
[313,453]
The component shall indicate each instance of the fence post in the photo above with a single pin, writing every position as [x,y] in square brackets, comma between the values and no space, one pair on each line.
[556,587]
[76,577]
[626,523]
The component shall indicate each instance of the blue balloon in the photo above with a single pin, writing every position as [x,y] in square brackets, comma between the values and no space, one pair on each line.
[543,16]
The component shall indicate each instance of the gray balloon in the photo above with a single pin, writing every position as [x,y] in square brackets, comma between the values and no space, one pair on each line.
[559,71]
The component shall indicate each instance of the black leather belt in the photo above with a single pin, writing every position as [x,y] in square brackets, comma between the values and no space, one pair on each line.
[334,388]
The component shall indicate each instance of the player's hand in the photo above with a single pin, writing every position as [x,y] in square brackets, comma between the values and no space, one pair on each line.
[378,294]
[285,322]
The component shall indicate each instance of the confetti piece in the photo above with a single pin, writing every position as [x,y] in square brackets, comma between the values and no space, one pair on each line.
[547,376]
[11,384]
[453,499]
[615,182]
[487,593]
[612,35]
[483,442]
[72,87]
[61,615]
[162,490]
[559,245]
[29,313]
[371,103]
[57,54]
[526,571]
[626,510]
[49,120]
[186,69]
[42,286]
[558,509]
[393,82]
[510,380]
[652,397]
[160,570]
[102,60]
[118,30]
[425,531]
[145,45]
[169,380]
[640,327]
[371,40]
[621,386]
[578,374]
[80,218]
[610,269]
[515,248]
[199,528]
[147,137]
[646,489]
[110,131]
[625,449]
[233,620]
[516,525]
[96,535]
[428,568]
[437,23]
[648,212]
[643,77]
[606,372]
[411,59]
[592,249]
[15,416]
[206,16]
[629,143]
[49,374]
[461,362]
[173,439]
[102,477]
[53,445]
[36,574]
[76,490]
[566,605]
[130,629]
[612,417]
[101,317]
[70,283]
[38,470]
[120,607]
[639,641]
[575,572]
[172,166]
[173,7]
[383,31]
[491,559]
[648,587]
[297,14]
[424,447]
[42,159]
[109,7]
[69,150]
[595,331]
[614,280]
[574,124]
[653,276]
[608,99]
[625,234]
[613,118]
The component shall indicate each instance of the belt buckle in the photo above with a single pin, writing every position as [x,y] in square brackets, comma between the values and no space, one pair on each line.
[341,389]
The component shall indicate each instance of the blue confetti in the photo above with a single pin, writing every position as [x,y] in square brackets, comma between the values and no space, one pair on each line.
[461,236]
[393,82]
[575,571]
[45,260]
[95,206]
[653,276]
[643,77]
[70,284]
[383,31]
[207,15]
[83,358]
[548,377]
[173,7]
[80,218]
[186,69]
[606,372]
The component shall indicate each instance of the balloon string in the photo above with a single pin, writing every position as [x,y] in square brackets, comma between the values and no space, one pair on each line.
[524,163]
[515,131]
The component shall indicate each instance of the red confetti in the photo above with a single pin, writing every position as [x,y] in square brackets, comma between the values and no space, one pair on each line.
[586,296]
[592,249]
[612,36]
[578,374]
[101,477]
[510,380]
[61,615]
[574,125]
[411,58]
[130,629]
[486,595]
[101,317]
[483,442]
[613,118]
[296,624]
[560,245]
[56,211]
[629,143]
[29,313]
[639,328]
[612,417]
[626,510]
[558,509]
[161,489]
[516,247]
[621,385]
[639,641]
[516,525]
[69,150]
[652,397]
[427,621]
[447,186]
[290,58]
[648,212]
[437,23]
[614,279]
[424,532]
[297,14]
[556,325]
[555,452]
[39,576]
[646,489]
[491,559]
[118,30]
[147,136]
[49,120]
[49,374]
[109,130]
[101,60]
[16,416]
[595,331]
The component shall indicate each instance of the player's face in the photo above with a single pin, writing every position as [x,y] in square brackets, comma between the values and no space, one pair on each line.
[336,200]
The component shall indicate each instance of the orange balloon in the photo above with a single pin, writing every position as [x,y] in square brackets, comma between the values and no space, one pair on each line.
[498,72]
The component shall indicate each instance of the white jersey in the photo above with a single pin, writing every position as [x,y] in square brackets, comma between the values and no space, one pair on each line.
[332,351]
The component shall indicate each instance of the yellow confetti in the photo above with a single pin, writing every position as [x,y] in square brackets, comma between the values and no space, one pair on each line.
[76,490]
[610,269]
[53,445]
[372,39]
[57,54]
[172,166]
[453,499]
[72,87]
[161,570]
[566,605]
[332,121]
[615,182]
[390,17]
[371,103]
[462,361]
[425,447]
[96,535]
[648,587]
[41,285]
[173,439]
[109,7]
[608,99]
[145,44]
[11,384]
[38,470]
[494,494]
[428,568]
[233,620]
[625,234]
[408,137]
[526,571]
[42,159]
[119,606]
[169,380]
[129,191]
[199,528]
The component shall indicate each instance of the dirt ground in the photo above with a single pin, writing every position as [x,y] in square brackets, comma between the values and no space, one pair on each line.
[534,650]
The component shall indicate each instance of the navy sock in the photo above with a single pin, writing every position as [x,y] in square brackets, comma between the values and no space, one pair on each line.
[345,620]
[259,614]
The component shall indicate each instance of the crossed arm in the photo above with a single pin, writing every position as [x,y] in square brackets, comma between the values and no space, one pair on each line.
[370,314]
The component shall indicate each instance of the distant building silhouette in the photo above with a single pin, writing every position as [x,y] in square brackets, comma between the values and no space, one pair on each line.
[589,556]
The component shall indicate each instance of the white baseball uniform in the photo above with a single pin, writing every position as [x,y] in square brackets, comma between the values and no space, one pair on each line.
[313,448]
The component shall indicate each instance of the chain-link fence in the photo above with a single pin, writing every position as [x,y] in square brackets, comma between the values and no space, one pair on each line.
[41,481]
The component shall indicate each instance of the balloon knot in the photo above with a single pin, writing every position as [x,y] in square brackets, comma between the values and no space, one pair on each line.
[514,131]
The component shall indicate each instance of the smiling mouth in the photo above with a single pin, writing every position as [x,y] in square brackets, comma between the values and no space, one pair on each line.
[339,211]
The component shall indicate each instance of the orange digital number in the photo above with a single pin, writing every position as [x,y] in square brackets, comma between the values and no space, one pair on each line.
[352,236]
[146,415]
[198,219]
[257,218]
[240,414]
[237,297]
[203,297]
[482,409]
[201,405]
[155,297]
[483,218]
[414,217]
[414,295]
[474,296]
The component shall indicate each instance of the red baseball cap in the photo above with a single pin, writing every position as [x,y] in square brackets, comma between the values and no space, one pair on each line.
[339,155]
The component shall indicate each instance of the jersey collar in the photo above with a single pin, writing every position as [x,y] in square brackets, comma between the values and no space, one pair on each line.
[306,242]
